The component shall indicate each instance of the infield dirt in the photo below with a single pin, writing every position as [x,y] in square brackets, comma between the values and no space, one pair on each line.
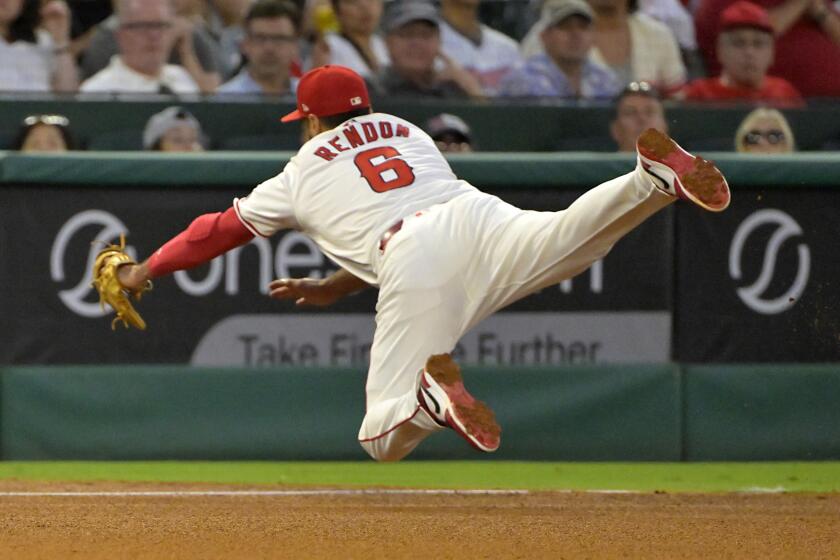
[535,525]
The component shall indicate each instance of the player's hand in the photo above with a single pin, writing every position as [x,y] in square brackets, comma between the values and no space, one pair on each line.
[133,276]
[305,291]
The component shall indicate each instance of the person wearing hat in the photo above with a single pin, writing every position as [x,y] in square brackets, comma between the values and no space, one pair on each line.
[807,41]
[637,108]
[173,130]
[450,133]
[565,69]
[412,36]
[745,49]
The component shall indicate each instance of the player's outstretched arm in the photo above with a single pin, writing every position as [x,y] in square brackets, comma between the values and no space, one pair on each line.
[317,292]
[207,237]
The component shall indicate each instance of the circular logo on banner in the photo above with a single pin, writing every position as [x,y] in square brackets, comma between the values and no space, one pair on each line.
[112,227]
[753,295]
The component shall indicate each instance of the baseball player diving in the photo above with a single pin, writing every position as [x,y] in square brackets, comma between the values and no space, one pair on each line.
[380,200]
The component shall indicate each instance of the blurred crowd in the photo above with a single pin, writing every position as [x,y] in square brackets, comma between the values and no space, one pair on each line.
[773,53]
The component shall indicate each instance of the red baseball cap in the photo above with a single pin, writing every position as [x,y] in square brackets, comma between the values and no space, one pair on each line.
[745,14]
[329,90]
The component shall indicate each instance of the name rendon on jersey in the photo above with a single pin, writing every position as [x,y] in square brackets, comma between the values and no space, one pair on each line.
[370,132]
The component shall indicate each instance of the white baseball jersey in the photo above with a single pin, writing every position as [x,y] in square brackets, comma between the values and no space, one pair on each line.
[349,185]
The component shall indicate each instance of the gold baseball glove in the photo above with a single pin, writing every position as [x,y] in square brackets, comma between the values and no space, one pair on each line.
[107,283]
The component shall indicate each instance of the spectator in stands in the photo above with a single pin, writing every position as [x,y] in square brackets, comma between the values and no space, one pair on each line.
[488,54]
[145,37]
[764,131]
[807,42]
[193,33]
[173,130]
[357,45]
[34,58]
[676,17]
[270,46]
[637,108]
[672,13]
[636,47]
[745,49]
[192,47]
[412,29]
[450,133]
[564,69]
[44,133]
[224,20]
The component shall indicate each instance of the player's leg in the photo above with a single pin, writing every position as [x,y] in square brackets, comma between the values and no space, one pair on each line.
[411,326]
[539,249]
[423,308]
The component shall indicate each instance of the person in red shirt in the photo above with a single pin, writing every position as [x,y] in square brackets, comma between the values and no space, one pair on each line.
[807,42]
[745,49]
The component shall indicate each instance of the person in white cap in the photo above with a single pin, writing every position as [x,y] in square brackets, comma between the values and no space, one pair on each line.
[376,195]
[173,130]
[450,133]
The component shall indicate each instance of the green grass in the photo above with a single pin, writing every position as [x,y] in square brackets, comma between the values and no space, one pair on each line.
[672,477]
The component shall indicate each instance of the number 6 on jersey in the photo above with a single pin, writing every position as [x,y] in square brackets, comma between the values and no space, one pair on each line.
[388,174]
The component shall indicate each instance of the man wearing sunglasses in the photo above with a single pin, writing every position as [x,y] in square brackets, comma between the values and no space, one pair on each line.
[745,49]
[145,37]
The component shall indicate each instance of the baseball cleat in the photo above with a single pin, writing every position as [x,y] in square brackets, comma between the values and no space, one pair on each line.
[443,395]
[680,174]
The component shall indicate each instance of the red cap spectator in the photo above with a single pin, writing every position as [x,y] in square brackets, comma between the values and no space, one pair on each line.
[746,49]
[745,14]
[807,41]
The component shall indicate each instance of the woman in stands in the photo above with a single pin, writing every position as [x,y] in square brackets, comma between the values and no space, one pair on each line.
[35,47]
[357,45]
[765,131]
[44,133]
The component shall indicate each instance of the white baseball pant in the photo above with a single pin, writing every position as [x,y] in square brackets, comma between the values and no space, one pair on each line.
[456,263]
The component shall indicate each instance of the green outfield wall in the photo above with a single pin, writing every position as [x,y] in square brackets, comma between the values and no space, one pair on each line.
[640,413]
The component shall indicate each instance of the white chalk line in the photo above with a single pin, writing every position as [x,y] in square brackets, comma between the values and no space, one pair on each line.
[265,493]
[335,492]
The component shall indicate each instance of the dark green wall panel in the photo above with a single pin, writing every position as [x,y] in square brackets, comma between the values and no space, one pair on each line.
[768,412]
[183,413]
[650,413]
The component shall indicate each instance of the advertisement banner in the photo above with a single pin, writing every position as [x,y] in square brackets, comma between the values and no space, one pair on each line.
[618,311]
[759,283]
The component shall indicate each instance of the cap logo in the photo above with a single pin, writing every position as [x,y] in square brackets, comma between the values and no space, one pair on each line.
[355,101]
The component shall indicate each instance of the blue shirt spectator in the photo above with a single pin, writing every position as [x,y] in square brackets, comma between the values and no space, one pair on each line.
[244,83]
[539,76]
[565,68]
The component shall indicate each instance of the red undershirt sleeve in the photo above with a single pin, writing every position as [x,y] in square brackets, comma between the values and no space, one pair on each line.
[207,237]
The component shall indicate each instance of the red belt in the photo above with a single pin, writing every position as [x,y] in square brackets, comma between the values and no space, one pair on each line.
[386,237]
